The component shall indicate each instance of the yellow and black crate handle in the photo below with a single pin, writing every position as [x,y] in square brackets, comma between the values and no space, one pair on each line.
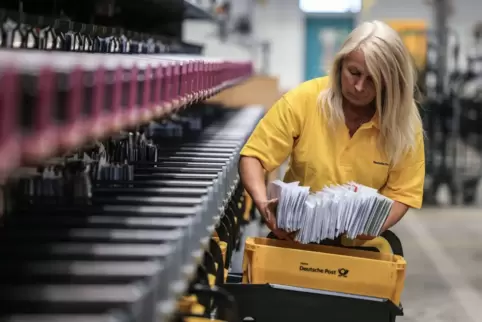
[387,243]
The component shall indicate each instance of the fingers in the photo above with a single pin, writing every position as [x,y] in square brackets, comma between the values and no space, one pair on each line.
[270,219]
[365,237]
[281,234]
[272,205]
[292,235]
[271,224]
[273,201]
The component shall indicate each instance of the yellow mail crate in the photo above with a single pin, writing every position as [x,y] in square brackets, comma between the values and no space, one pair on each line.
[327,268]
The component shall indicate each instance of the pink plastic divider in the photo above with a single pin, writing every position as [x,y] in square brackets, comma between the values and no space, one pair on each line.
[196,79]
[192,70]
[73,129]
[132,112]
[42,141]
[167,96]
[9,121]
[99,119]
[116,107]
[176,82]
[211,78]
[183,80]
[146,108]
[158,80]
[203,83]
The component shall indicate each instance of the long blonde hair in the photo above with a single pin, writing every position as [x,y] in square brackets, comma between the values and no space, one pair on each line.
[391,67]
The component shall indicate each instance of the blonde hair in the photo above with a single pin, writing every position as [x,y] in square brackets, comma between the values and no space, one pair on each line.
[391,67]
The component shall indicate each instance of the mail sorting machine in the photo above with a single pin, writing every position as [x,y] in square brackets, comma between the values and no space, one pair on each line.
[116,231]
[119,226]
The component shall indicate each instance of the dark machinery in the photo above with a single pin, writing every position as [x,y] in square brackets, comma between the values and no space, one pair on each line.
[451,117]
[120,193]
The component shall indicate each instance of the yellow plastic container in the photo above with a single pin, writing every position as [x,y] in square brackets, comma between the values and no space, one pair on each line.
[198,309]
[248,206]
[186,303]
[379,243]
[211,280]
[189,305]
[324,267]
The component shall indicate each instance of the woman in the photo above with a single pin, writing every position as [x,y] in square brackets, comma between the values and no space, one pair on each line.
[359,124]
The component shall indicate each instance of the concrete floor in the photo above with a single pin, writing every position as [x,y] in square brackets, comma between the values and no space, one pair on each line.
[443,249]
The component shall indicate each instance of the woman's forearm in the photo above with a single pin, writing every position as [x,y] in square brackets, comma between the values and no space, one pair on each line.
[398,211]
[252,176]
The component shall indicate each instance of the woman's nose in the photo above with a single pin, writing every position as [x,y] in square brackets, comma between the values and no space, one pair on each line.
[360,84]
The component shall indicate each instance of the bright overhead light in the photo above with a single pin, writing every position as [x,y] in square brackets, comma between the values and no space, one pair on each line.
[336,6]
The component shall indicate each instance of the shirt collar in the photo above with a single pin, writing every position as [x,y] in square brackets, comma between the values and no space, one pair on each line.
[374,122]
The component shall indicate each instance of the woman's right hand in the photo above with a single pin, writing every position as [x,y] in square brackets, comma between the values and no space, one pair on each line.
[268,211]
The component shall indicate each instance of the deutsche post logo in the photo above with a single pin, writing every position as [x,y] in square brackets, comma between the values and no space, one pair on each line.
[343,272]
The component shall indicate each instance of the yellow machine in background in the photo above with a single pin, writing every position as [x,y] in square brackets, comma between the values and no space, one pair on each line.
[415,36]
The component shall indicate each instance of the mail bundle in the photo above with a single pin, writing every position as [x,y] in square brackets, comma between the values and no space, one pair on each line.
[352,209]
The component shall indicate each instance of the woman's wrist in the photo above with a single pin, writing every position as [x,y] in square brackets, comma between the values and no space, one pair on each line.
[259,196]
[260,202]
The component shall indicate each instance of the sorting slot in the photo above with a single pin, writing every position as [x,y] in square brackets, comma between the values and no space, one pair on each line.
[75,299]
[60,271]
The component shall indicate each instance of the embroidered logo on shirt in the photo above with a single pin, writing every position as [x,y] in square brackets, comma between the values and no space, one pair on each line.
[380,163]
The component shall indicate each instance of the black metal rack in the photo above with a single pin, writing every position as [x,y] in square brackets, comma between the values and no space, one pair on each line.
[162,18]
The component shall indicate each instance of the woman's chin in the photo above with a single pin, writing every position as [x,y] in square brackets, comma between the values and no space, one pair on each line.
[358,102]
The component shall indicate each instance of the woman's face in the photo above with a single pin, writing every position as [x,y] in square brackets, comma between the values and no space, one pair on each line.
[356,83]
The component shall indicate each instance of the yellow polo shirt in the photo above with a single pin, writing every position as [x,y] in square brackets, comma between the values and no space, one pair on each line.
[295,126]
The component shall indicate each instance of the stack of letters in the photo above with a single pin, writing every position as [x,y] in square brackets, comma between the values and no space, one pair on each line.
[351,209]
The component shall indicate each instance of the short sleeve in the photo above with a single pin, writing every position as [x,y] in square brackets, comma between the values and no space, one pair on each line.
[405,182]
[272,140]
